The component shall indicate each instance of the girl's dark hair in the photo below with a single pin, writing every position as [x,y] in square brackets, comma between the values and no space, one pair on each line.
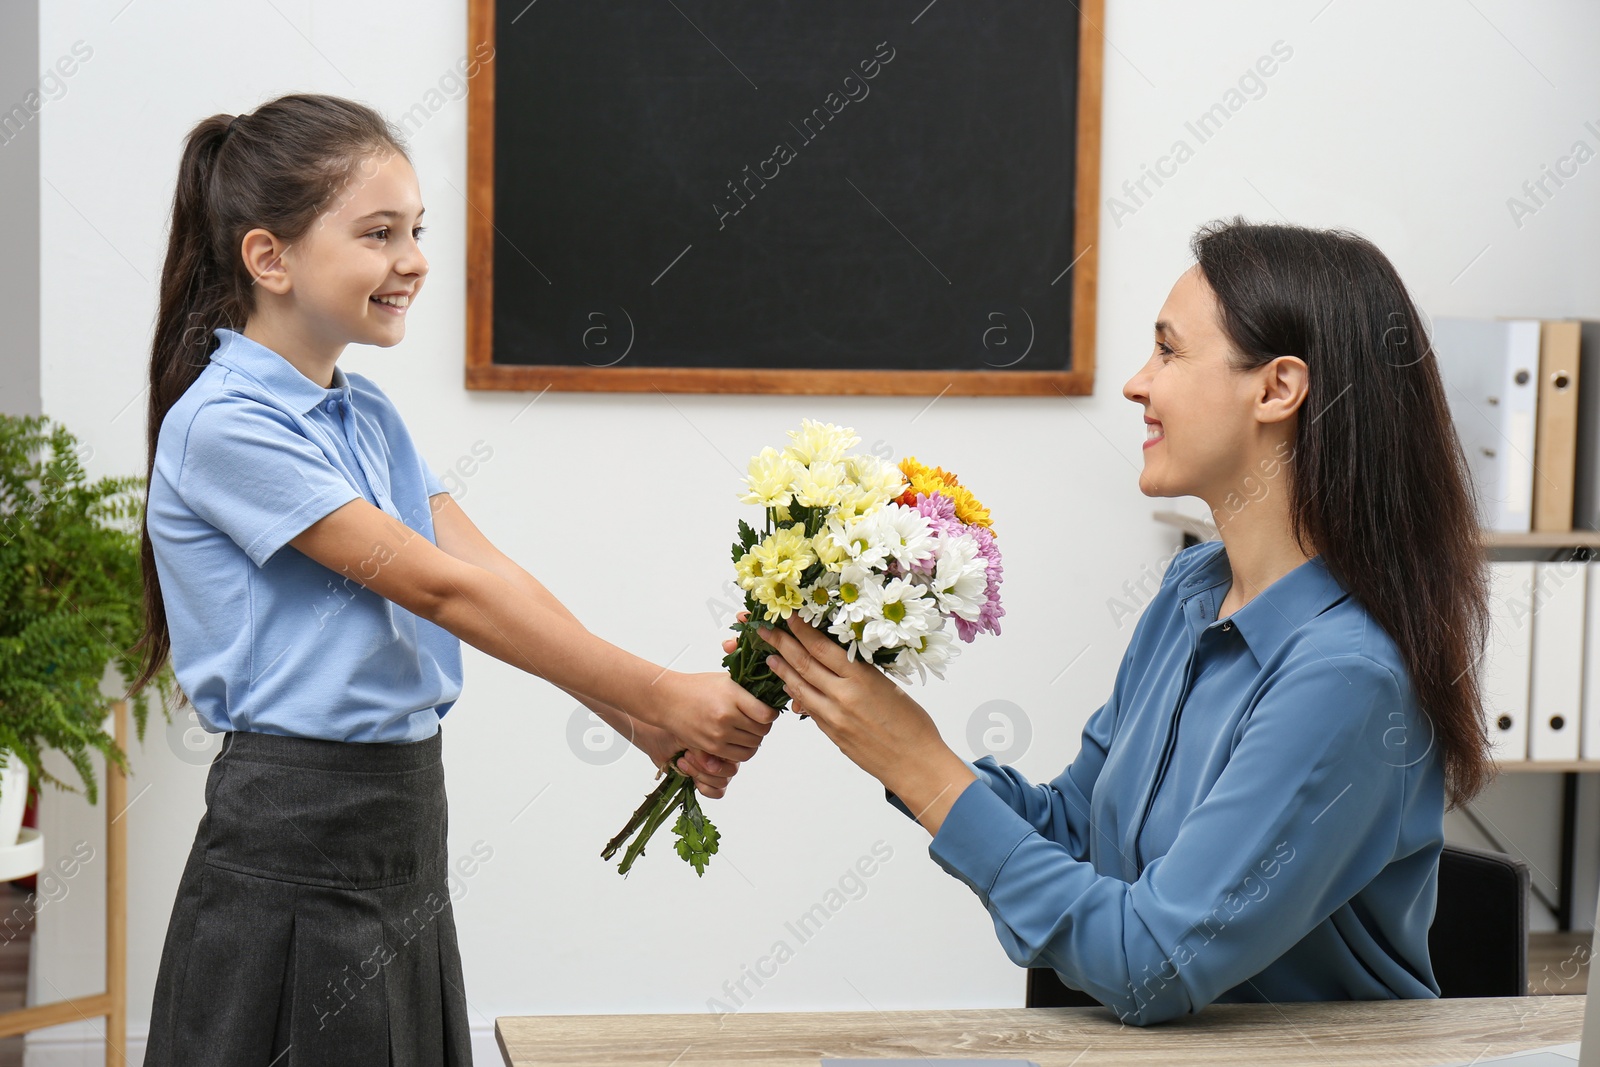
[1379,483]
[277,168]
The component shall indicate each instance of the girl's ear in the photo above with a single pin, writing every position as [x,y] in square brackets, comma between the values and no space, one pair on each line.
[263,258]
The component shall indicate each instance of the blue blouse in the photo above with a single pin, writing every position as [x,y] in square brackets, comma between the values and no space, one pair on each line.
[1255,815]
[265,638]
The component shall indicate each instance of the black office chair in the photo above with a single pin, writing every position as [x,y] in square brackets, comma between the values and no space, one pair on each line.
[1478,942]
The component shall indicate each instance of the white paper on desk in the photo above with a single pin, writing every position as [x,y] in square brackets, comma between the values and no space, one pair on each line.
[1556,697]
[1507,658]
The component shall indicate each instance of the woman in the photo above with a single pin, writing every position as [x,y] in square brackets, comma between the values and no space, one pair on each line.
[1256,812]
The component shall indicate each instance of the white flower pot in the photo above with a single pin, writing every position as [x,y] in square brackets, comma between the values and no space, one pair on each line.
[13,798]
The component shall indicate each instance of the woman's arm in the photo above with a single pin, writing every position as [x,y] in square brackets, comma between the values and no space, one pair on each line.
[499,616]
[1302,819]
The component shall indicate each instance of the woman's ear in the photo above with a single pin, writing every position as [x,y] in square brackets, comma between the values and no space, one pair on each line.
[1283,386]
[263,258]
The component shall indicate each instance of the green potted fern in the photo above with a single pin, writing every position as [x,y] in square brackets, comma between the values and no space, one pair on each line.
[71,603]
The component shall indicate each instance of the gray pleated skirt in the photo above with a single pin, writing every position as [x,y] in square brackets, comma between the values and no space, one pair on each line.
[312,924]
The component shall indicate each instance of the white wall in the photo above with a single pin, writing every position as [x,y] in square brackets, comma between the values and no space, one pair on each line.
[1412,123]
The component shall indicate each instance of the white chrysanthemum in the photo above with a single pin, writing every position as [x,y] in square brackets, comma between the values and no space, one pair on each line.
[771,479]
[908,535]
[960,578]
[903,614]
[820,485]
[820,441]
[864,539]
[852,634]
[819,598]
[858,592]
[932,652]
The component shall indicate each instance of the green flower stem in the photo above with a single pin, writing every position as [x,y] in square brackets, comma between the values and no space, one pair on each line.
[664,808]
[640,815]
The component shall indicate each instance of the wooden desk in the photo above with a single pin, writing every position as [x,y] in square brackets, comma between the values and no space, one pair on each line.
[1416,1032]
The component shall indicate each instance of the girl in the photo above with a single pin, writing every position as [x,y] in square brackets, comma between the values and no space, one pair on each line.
[1257,811]
[311,580]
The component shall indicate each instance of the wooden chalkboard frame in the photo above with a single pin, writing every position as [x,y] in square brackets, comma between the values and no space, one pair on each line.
[483,373]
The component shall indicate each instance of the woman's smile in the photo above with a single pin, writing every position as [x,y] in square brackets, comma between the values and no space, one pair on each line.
[1153,432]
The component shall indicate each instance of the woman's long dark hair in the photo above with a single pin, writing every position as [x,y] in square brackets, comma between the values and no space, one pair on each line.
[1379,484]
[277,168]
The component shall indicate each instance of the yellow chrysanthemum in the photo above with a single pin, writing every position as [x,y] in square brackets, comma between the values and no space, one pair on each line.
[784,555]
[779,599]
[771,478]
[820,441]
[929,480]
[819,485]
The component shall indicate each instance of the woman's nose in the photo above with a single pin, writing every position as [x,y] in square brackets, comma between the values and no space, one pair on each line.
[1135,388]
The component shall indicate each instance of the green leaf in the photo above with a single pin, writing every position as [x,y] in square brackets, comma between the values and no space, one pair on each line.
[747,535]
[71,601]
[697,837]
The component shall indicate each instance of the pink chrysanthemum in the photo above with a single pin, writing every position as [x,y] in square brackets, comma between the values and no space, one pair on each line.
[941,514]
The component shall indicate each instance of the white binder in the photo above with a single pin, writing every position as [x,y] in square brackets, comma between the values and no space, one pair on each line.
[1590,740]
[1507,657]
[1555,702]
[1491,375]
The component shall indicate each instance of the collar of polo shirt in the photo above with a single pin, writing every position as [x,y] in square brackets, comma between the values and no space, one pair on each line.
[276,374]
[1272,615]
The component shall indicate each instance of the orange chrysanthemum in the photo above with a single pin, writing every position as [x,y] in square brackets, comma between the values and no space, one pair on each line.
[930,480]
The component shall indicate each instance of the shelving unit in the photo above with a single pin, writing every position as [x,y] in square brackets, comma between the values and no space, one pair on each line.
[1499,546]
[113,1003]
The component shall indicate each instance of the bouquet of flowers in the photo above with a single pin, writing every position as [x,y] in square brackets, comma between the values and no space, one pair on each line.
[894,562]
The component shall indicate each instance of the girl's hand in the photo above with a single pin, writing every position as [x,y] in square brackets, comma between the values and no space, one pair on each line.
[713,713]
[873,721]
[710,774]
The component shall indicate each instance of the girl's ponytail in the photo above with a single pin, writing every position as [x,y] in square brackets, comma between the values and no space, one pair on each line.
[276,168]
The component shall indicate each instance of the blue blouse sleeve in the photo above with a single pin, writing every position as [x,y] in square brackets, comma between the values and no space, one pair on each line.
[431,483]
[251,474]
[1059,810]
[1303,817]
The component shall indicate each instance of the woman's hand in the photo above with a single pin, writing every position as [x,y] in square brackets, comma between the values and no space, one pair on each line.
[873,721]
[710,774]
[713,713]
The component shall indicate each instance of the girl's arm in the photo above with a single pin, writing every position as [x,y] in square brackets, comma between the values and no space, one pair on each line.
[459,536]
[500,616]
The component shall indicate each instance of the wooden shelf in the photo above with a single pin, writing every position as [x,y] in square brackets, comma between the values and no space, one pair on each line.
[1549,766]
[112,1005]
[1492,539]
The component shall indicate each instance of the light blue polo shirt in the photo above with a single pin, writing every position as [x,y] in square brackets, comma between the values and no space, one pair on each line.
[1256,813]
[264,638]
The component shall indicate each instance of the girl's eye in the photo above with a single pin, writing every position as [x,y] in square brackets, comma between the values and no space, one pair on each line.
[381,233]
[417,233]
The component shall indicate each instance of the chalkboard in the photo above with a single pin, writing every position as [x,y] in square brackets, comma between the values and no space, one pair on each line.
[800,196]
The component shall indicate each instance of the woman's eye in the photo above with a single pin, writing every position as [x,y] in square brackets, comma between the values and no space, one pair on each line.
[417,233]
[1166,352]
